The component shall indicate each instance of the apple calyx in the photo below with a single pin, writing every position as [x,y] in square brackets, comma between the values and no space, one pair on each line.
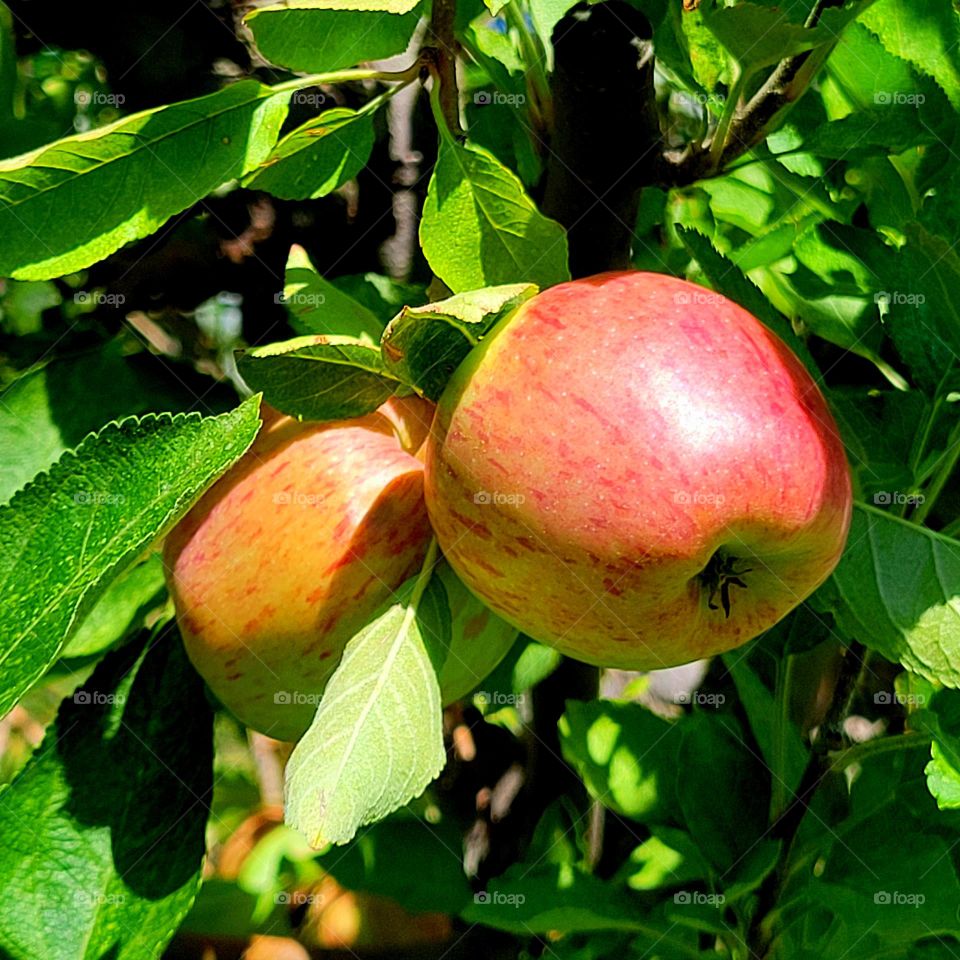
[719,575]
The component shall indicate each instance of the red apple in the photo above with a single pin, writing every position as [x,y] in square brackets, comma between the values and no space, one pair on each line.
[636,471]
[292,551]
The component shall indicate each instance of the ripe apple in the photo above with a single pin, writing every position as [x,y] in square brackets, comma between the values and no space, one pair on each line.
[636,471]
[292,551]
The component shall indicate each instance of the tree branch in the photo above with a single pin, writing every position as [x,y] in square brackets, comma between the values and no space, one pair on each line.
[753,121]
[442,38]
[829,738]
[598,161]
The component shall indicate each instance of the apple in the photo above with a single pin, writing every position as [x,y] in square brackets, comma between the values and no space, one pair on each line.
[292,551]
[635,471]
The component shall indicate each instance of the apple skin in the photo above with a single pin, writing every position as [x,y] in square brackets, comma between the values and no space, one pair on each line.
[292,551]
[608,451]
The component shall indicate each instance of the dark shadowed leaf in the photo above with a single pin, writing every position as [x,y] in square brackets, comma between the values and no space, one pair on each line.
[103,831]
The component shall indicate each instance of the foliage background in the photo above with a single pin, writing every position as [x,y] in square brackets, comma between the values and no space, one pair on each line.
[798,798]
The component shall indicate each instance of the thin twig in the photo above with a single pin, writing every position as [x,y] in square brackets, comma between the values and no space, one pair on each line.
[444,42]
[829,739]
[753,121]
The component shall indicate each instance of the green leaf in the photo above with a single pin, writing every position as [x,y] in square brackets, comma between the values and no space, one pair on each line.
[752,869]
[70,204]
[318,306]
[119,610]
[708,58]
[559,898]
[22,304]
[757,36]
[375,6]
[317,157]
[879,430]
[382,296]
[378,862]
[51,409]
[922,313]
[322,39]
[721,773]
[540,899]
[480,228]
[486,42]
[778,738]
[667,859]
[861,73]
[479,639]
[626,756]
[943,777]
[8,67]
[422,346]
[503,128]
[872,874]
[943,770]
[927,35]
[103,831]
[526,664]
[376,741]
[895,590]
[66,535]
[319,378]
[544,16]
[884,130]
[671,38]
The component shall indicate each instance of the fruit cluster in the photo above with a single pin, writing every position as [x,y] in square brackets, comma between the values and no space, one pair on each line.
[629,468]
